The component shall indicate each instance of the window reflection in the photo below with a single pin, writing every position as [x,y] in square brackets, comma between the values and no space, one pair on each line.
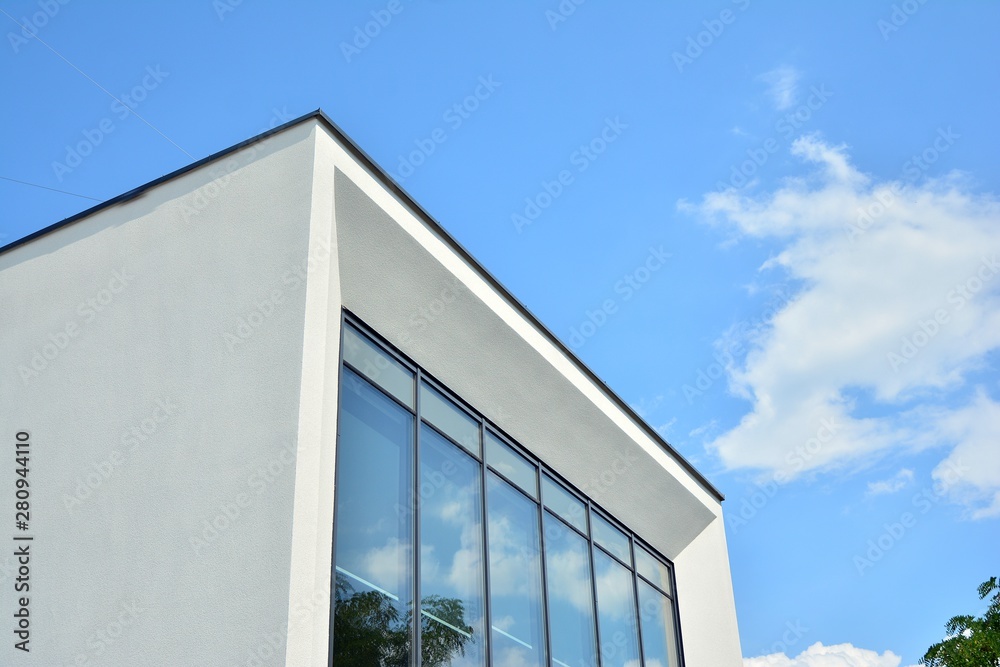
[659,641]
[609,537]
[518,632]
[452,577]
[539,617]
[450,418]
[378,366]
[570,595]
[511,465]
[564,503]
[650,567]
[616,612]
[373,534]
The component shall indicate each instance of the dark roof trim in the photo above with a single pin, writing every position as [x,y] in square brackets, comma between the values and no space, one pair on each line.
[395,188]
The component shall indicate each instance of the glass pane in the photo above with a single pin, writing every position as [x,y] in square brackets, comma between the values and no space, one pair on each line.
[571,604]
[378,366]
[515,577]
[609,537]
[449,418]
[511,465]
[616,612]
[373,596]
[451,555]
[659,640]
[652,568]
[565,504]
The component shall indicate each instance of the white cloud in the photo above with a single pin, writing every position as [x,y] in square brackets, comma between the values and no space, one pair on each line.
[782,86]
[972,470]
[817,655]
[896,483]
[899,301]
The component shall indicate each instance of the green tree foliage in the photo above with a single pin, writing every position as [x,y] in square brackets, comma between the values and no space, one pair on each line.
[370,630]
[972,642]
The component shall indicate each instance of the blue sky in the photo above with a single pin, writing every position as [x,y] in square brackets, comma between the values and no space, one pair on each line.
[822,340]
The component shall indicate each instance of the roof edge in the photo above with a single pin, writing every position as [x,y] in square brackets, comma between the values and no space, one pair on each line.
[380,174]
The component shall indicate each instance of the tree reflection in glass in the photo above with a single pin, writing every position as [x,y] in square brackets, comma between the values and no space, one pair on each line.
[374,584]
[370,631]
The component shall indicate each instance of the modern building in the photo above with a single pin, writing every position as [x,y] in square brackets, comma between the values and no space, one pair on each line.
[267,412]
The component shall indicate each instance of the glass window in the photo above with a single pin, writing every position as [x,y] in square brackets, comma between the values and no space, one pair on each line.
[659,640]
[452,577]
[511,465]
[373,590]
[652,568]
[557,599]
[378,366]
[572,629]
[449,418]
[609,537]
[564,503]
[616,612]
[515,576]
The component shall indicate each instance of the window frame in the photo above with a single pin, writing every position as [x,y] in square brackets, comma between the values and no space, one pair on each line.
[349,319]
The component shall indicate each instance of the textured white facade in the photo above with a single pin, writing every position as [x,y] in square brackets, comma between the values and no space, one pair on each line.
[174,357]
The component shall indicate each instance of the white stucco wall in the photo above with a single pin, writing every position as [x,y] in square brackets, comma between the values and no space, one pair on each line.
[115,576]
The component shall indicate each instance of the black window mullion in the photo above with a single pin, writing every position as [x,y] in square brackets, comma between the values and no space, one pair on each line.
[677,618]
[545,581]
[638,606]
[361,376]
[487,597]
[567,524]
[593,587]
[417,613]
